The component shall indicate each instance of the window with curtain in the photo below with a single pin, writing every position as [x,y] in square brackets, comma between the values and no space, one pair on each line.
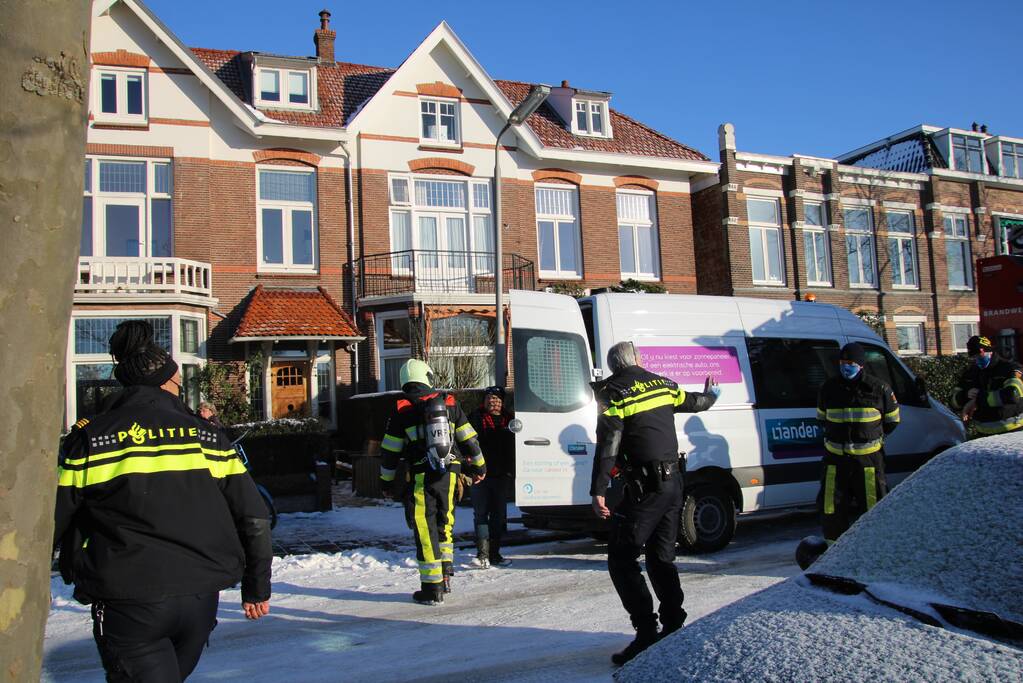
[859,245]
[638,251]
[286,216]
[815,245]
[957,252]
[557,227]
[902,249]
[765,240]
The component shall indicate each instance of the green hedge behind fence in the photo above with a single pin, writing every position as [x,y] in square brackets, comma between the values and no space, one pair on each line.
[939,372]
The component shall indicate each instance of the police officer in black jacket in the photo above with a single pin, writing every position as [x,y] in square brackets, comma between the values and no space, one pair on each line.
[857,411]
[636,433]
[156,514]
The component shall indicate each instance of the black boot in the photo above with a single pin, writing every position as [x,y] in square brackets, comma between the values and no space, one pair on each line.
[447,570]
[496,558]
[429,594]
[646,635]
[483,552]
[671,622]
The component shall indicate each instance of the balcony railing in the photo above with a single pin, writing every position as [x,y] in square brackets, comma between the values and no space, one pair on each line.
[442,272]
[168,277]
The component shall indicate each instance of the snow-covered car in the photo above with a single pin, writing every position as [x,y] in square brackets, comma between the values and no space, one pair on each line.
[925,587]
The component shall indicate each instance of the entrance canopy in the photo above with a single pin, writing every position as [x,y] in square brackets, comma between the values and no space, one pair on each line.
[273,314]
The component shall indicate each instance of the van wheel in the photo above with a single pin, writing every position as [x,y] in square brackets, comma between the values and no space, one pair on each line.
[708,519]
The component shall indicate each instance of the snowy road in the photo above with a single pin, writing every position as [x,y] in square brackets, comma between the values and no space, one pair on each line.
[552,616]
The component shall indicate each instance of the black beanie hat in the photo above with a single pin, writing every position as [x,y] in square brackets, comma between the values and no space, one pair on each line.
[495,391]
[140,360]
[854,352]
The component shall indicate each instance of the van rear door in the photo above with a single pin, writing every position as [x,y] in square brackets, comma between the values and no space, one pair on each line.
[553,400]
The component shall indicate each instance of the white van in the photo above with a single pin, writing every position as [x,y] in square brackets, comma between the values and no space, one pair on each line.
[757,449]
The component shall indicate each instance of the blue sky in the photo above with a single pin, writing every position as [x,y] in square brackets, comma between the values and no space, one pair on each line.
[817,78]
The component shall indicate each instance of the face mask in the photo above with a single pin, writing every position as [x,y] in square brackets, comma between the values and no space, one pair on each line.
[983,360]
[849,370]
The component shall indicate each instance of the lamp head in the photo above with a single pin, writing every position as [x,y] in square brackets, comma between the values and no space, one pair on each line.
[537,95]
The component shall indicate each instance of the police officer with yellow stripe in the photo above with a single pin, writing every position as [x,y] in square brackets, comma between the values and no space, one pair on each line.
[857,411]
[990,391]
[156,514]
[636,433]
[421,417]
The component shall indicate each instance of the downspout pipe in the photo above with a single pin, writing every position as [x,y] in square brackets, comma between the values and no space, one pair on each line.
[350,210]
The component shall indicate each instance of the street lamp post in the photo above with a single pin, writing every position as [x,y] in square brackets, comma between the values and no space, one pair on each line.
[537,95]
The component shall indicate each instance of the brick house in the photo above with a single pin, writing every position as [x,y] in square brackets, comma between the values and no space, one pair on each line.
[890,229]
[311,221]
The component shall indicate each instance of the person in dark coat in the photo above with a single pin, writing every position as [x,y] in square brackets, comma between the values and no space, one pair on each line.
[490,496]
[155,515]
[990,391]
[636,434]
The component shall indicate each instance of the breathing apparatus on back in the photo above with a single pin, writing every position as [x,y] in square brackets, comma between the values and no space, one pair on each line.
[435,429]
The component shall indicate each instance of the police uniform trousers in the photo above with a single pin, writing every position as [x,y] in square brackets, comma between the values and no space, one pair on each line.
[155,642]
[431,514]
[850,485]
[648,525]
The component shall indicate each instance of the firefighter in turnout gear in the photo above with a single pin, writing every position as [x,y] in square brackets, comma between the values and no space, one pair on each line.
[857,412]
[636,434]
[423,431]
[990,391]
[155,515]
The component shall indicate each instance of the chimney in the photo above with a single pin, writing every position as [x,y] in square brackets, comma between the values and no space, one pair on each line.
[983,128]
[974,127]
[564,84]
[323,39]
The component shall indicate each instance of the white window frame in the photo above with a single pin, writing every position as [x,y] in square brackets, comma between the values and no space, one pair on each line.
[198,358]
[1016,154]
[899,238]
[966,146]
[438,102]
[956,238]
[591,107]
[558,220]
[287,208]
[480,265]
[121,116]
[634,225]
[762,229]
[972,320]
[914,321]
[143,201]
[858,234]
[384,354]
[283,88]
[813,231]
[484,352]
[324,357]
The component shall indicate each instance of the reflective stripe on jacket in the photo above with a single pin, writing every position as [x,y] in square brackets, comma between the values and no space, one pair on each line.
[856,414]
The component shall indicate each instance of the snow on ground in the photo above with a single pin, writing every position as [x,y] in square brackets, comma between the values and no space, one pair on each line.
[551,616]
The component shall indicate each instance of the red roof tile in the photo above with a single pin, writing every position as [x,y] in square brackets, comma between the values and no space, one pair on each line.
[342,88]
[305,313]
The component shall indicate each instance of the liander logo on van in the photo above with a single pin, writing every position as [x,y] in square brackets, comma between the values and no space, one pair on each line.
[139,434]
[800,437]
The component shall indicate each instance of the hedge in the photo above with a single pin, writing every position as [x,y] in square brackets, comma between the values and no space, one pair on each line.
[941,373]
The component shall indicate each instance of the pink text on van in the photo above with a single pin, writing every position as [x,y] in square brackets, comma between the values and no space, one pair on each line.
[689,365]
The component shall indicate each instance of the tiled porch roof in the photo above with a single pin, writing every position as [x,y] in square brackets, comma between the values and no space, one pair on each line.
[294,314]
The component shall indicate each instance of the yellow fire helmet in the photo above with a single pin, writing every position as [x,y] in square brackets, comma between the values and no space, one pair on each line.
[415,370]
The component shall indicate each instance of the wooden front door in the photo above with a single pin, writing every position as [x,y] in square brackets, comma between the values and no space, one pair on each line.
[289,389]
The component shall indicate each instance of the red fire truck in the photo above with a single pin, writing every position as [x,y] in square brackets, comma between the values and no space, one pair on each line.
[1000,291]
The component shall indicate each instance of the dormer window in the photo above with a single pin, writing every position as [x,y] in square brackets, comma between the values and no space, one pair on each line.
[591,118]
[968,154]
[120,96]
[439,121]
[1012,160]
[284,88]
